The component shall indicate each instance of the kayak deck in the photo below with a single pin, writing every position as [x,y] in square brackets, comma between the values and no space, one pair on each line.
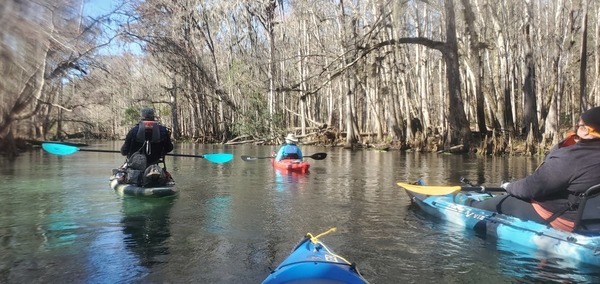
[135,190]
[313,262]
[535,236]
[292,165]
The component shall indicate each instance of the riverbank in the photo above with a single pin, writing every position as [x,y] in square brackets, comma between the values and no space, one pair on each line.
[496,147]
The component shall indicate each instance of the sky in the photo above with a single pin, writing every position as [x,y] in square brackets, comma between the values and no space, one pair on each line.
[96,8]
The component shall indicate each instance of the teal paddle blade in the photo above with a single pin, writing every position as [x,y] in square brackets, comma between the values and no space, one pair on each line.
[59,149]
[218,157]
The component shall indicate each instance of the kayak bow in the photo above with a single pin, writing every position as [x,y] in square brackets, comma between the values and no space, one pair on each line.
[313,262]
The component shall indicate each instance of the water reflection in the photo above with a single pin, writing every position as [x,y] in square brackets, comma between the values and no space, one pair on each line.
[218,214]
[289,180]
[61,230]
[146,228]
[61,222]
[533,265]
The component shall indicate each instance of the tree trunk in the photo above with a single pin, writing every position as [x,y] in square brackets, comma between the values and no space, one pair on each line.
[458,132]
[476,63]
[271,69]
[529,88]
[583,104]
[174,109]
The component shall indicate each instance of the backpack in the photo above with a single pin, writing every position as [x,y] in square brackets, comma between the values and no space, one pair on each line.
[133,176]
[137,161]
[154,175]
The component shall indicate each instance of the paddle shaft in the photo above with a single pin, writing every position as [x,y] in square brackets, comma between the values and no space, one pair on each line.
[63,149]
[115,151]
[316,156]
[255,158]
[481,188]
[99,150]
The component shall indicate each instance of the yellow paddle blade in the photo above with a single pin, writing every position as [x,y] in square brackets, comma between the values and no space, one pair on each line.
[428,189]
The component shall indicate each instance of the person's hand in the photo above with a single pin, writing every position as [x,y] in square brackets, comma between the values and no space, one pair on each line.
[505,185]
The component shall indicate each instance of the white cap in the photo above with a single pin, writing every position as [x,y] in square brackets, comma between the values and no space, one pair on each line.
[291,138]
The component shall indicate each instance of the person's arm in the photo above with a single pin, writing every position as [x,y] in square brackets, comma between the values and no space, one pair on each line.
[300,156]
[549,178]
[167,144]
[279,155]
[127,144]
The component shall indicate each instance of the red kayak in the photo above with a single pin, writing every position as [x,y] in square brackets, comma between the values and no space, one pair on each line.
[291,165]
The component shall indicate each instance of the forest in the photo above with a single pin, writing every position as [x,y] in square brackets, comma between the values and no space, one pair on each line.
[479,76]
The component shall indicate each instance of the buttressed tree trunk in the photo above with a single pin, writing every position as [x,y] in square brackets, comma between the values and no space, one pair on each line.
[458,132]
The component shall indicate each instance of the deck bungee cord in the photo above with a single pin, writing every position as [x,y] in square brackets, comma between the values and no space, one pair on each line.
[315,240]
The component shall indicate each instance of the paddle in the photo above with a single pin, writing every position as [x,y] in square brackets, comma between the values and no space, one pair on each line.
[65,148]
[443,190]
[316,156]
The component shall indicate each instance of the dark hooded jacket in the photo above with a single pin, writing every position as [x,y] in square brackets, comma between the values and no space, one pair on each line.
[158,137]
[562,177]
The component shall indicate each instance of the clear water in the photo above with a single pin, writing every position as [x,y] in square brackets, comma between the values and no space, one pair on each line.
[231,223]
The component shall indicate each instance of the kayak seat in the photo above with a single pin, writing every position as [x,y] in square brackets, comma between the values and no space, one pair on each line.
[588,212]
[291,156]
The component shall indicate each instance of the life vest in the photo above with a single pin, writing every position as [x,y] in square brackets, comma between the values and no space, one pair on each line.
[290,152]
[148,130]
[571,139]
[553,219]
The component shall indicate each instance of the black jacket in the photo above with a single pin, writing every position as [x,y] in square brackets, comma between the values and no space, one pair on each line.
[160,142]
[564,174]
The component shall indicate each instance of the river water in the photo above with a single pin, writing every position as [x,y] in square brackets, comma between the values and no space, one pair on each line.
[232,223]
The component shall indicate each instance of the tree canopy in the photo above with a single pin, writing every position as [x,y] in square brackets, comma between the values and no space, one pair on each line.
[426,75]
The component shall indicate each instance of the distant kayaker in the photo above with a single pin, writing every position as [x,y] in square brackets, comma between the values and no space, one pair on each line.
[550,195]
[289,150]
[146,144]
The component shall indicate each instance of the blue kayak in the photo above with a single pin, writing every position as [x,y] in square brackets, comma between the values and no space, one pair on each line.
[574,247]
[312,262]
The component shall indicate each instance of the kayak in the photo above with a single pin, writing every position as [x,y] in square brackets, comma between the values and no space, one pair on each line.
[136,190]
[291,165]
[577,247]
[313,262]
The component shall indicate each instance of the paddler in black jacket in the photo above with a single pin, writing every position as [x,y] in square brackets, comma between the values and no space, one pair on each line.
[550,195]
[148,129]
